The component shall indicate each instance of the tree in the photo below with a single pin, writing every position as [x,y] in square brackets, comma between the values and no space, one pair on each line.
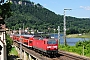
[5,10]
[33,15]
[9,43]
[1,1]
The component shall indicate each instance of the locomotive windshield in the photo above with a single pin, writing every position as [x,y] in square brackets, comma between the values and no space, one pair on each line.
[51,42]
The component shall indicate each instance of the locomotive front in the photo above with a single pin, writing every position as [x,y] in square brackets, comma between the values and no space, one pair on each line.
[52,46]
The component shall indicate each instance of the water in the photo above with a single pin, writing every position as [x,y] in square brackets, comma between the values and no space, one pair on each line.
[70,41]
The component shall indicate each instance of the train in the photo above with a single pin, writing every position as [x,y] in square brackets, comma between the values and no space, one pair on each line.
[45,44]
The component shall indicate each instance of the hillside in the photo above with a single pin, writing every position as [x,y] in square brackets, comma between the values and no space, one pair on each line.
[35,16]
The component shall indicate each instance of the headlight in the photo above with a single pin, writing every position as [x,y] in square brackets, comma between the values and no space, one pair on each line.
[54,46]
[48,46]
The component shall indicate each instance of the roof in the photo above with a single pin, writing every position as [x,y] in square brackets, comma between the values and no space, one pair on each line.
[2,30]
[28,35]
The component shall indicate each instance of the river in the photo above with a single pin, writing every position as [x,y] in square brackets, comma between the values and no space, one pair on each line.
[70,41]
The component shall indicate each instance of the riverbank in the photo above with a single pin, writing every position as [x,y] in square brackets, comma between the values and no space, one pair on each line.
[78,36]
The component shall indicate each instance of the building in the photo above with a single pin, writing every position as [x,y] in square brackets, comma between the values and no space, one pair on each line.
[3,55]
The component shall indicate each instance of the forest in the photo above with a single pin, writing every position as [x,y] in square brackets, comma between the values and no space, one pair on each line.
[35,16]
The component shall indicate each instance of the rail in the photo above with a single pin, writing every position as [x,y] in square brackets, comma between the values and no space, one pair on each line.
[62,55]
[32,53]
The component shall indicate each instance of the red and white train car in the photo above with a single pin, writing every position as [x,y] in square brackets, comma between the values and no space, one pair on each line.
[16,37]
[47,45]
[27,40]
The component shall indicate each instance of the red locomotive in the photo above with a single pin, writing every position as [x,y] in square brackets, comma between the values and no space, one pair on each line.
[47,45]
[44,44]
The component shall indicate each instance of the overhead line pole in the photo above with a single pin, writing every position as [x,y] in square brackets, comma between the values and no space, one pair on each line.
[20,43]
[58,35]
[65,42]
[23,27]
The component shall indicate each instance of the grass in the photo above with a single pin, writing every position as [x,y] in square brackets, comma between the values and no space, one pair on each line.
[78,36]
[13,51]
[13,55]
[74,50]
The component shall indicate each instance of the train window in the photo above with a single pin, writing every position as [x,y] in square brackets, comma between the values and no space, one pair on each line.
[30,41]
[44,42]
[41,38]
[26,43]
[36,38]
[51,42]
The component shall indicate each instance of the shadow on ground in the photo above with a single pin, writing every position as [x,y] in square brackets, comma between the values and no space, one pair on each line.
[12,57]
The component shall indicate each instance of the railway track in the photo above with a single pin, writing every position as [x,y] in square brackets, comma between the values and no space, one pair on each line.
[33,53]
[62,55]
[73,56]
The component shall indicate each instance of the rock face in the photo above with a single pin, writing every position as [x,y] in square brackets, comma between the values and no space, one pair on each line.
[22,2]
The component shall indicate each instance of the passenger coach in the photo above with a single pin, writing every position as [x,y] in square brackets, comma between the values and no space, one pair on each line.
[27,40]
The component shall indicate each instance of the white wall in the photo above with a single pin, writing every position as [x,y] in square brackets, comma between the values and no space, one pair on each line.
[3,44]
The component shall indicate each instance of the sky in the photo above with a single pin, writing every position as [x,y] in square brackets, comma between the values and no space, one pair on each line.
[80,8]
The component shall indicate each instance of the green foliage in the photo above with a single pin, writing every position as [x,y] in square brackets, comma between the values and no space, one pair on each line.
[78,44]
[35,16]
[78,48]
[5,10]
[72,31]
[13,51]
[9,43]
